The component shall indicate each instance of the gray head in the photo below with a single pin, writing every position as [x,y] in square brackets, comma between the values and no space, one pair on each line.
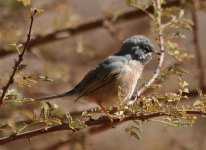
[137,47]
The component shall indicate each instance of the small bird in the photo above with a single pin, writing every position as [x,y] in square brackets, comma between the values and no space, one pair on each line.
[122,70]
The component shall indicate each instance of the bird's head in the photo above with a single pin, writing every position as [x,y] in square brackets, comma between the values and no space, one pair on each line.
[137,47]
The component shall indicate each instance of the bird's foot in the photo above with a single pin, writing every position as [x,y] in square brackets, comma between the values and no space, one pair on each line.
[113,117]
[110,117]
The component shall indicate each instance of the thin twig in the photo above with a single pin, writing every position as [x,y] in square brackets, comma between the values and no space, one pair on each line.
[198,51]
[92,122]
[18,62]
[69,32]
[161,57]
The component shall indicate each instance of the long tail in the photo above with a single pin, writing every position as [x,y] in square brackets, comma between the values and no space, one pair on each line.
[69,93]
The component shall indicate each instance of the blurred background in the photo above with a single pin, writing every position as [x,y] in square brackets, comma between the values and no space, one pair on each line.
[65,52]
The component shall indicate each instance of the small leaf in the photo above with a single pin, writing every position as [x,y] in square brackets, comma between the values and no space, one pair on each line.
[22,128]
[35,114]
[177,35]
[21,67]
[134,134]
[28,79]
[75,123]
[184,84]
[136,128]
[137,122]
[55,120]
[14,45]
[186,90]
[178,71]
[38,11]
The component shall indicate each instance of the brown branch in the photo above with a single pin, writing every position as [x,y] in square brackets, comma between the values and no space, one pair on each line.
[192,94]
[161,57]
[104,125]
[29,134]
[18,62]
[198,51]
[92,122]
[68,32]
[92,131]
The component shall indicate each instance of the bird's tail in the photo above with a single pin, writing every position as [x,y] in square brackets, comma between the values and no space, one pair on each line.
[69,93]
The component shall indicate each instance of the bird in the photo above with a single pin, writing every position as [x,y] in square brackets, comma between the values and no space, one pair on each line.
[121,70]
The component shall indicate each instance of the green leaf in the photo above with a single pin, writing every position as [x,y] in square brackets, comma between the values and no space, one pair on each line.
[177,35]
[22,128]
[21,67]
[28,79]
[75,123]
[177,70]
[136,128]
[137,122]
[38,11]
[17,47]
[134,134]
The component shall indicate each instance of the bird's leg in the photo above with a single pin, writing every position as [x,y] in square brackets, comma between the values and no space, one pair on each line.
[110,117]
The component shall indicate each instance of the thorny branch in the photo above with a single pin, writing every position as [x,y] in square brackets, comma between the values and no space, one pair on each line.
[198,51]
[161,57]
[69,32]
[99,129]
[18,62]
[191,94]
[91,122]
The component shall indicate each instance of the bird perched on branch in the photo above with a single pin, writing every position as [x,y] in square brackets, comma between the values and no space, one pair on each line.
[122,70]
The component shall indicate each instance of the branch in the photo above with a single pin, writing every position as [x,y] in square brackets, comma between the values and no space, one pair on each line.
[68,32]
[92,122]
[92,131]
[192,94]
[198,51]
[18,62]
[161,57]
[104,124]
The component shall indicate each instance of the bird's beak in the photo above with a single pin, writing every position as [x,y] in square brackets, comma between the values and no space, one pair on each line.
[156,52]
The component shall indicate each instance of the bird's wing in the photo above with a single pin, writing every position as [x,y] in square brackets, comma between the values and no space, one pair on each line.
[100,76]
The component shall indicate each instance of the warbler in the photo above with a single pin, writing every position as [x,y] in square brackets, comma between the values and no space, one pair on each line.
[121,70]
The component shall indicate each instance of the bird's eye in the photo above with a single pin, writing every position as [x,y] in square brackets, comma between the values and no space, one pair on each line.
[147,48]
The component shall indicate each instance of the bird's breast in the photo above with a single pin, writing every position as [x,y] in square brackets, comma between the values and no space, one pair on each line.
[128,79]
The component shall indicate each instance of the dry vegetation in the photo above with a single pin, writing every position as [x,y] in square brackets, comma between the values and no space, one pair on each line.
[39,65]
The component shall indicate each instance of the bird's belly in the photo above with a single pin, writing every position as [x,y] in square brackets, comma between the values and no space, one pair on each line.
[106,95]
[120,89]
